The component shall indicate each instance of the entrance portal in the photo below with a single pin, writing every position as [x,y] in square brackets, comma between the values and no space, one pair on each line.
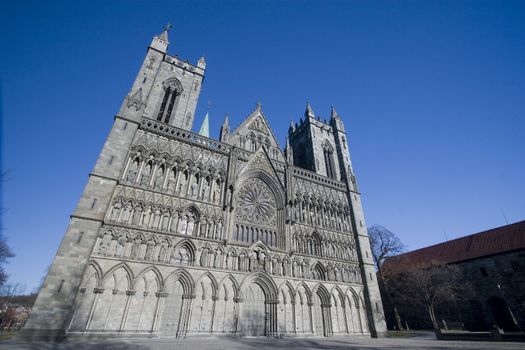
[171,318]
[253,319]
[502,314]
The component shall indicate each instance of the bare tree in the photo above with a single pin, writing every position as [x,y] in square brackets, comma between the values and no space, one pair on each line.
[427,287]
[5,251]
[384,244]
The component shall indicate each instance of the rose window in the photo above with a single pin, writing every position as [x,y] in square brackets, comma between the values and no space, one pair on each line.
[256,203]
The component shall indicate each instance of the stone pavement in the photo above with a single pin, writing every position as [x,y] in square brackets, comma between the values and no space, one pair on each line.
[414,343]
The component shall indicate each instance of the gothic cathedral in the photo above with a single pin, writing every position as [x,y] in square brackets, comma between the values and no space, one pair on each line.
[179,235]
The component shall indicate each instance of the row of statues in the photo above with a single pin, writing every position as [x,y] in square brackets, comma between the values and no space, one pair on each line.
[175,180]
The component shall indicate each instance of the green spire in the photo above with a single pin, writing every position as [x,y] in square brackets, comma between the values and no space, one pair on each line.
[205,127]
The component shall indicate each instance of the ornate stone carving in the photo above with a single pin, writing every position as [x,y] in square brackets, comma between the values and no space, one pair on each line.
[256,203]
[259,125]
[135,100]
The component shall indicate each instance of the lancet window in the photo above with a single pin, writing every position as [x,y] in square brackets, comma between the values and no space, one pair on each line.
[170,100]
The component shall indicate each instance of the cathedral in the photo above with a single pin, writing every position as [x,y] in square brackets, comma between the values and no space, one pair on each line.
[177,234]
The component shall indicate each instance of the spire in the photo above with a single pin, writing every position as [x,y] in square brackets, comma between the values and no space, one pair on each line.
[309,112]
[205,128]
[259,105]
[202,62]
[160,42]
[225,129]
[292,127]
[289,152]
[164,34]
[333,113]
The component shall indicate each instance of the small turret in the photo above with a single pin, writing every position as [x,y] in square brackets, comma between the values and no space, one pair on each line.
[291,129]
[202,63]
[336,121]
[288,152]
[333,113]
[160,42]
[225,129]
[309,113]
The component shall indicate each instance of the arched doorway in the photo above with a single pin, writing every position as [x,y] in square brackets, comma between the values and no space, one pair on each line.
[502,314]
[318,316]
[173,322]
[253,318]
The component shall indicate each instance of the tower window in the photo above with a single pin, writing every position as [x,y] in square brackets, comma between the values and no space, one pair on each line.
[328,152]
[172,92]
[483,271]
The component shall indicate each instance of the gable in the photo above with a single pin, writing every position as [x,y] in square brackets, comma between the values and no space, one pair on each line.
[255,132]
[260,161]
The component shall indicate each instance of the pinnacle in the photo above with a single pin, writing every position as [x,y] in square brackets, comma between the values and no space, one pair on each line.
[333,113]
[309,111]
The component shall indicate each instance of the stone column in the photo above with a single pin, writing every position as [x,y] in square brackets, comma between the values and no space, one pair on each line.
[126,167]
[239,302]
[130,294]
[153,175]
[159,307]
[310,305]
[139,173]
[97,291]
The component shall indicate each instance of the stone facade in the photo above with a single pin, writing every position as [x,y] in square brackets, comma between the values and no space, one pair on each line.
[178,235]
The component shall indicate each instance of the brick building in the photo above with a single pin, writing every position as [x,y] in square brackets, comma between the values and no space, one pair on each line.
[492,262]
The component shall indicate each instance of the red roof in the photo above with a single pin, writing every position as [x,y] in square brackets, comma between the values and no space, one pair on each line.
[495,241]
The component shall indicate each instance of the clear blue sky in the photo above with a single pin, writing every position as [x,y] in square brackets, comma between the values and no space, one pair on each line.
[432,94]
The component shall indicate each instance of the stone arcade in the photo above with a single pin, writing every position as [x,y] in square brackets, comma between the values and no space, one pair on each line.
[177,234]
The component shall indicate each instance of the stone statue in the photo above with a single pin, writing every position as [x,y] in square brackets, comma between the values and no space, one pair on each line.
[104,245]
[183,225]
[115,212]
[206,190]
[182,184]
[132,172]
[144,178]
[217,193]
[194,189]
[171,182]
[137,214]
[121,245]
[126,213]
[159,178]
[147,217]
[156,218]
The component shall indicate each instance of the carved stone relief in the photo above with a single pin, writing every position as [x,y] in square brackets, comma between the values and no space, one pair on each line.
[256,203]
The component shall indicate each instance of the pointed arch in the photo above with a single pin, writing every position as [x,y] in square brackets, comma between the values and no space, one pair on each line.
[260,244]
[234,281]
[291,290]
[318,271]
[184,278]
[184,253]
[271,181]
[322,292]
[213,280]
[125,267]
[307,290]
[158,277]
[98,273]
[264,281]
[351,293]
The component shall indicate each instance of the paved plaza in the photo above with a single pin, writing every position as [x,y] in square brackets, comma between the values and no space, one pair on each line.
[422,341]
